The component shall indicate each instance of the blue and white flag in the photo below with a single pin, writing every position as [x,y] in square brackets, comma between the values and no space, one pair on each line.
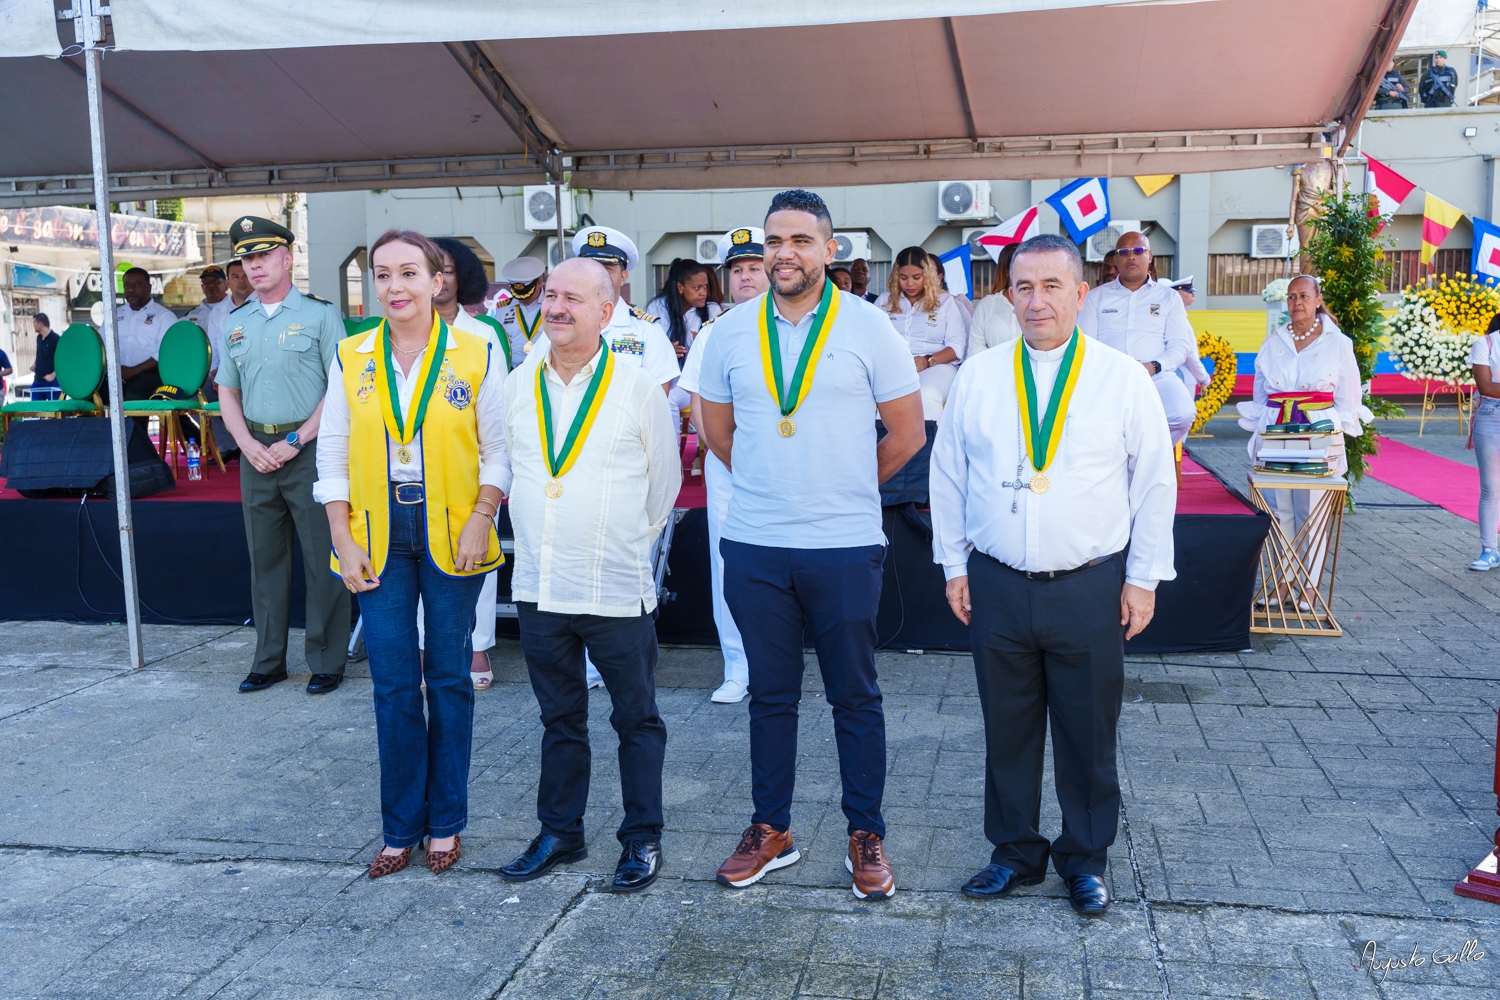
[1083,206]
[1486,261]
[957,266]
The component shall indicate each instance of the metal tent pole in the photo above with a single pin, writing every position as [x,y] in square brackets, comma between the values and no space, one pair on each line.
[89,32]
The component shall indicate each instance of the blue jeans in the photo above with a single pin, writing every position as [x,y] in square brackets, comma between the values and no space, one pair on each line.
[424,761]
[1487,450]
[830,595]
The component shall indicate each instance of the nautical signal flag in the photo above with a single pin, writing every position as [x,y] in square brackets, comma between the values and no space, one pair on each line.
[1438,220]
[1083,206]
[1486,262]
[1016,229]
[1389,188]
[958,265]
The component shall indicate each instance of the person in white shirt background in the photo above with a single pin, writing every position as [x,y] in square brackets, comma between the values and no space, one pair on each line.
[930,320]
[1031,525]
[240,289]
[994,315]
[210,315]
[522,315]
[596,471]
[688,299]
[964,303]
[1308,352]
[1142,317]
[743,254]
[1192,372]
[1484,358]
[141,322]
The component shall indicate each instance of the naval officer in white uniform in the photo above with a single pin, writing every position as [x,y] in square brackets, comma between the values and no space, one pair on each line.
[1144,318]
[522,315]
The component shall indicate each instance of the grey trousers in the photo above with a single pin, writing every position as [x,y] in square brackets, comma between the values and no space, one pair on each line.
[276,504]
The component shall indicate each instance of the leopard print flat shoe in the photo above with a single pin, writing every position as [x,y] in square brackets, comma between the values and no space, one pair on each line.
[441,861]
[389,864]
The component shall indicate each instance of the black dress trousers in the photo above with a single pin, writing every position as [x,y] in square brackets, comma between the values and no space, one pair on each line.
[1049,647]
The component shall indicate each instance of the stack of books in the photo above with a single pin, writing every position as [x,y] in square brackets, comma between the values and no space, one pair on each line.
[1296,449]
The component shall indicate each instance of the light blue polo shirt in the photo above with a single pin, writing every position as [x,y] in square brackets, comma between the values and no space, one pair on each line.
[817,489]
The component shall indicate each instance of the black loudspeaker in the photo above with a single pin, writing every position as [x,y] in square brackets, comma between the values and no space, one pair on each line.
[71,456]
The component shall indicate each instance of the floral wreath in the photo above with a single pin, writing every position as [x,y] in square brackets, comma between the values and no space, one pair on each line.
[1221,384]
[1437,320]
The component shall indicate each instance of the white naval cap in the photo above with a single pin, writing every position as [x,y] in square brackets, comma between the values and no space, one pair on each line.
[1183,283]
[522,271]
[745,242]
[607,246]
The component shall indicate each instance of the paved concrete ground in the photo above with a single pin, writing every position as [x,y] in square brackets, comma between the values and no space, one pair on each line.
[163,836]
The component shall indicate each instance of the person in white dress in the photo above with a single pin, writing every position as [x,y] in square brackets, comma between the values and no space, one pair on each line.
[995,315]
[743,253]
[1139,315]
[930,320]
[684,305]
[1307,353]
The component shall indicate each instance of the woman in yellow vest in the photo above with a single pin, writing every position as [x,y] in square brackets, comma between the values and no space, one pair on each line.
[412,467]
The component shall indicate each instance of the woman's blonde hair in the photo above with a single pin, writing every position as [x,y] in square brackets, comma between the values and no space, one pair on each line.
[431,252]
[931,289]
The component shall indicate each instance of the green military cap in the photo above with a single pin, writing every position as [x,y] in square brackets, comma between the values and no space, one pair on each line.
[252,234]
[1441,52]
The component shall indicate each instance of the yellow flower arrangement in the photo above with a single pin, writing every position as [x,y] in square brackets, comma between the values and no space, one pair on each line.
[1462,303]
[1219,387]
[1436,321]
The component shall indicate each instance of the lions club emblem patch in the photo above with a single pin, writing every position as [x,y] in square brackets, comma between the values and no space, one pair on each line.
[459,394]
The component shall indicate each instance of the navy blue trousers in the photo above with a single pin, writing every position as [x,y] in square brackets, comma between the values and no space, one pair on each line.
[831,594]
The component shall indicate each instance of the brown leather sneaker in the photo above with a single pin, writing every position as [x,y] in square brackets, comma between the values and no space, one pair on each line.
[762,849]
[866,862]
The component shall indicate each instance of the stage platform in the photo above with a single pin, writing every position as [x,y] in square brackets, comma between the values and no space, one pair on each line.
[194,566]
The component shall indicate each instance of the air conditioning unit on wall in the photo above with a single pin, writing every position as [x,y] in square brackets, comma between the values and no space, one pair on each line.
[708,248]
[959,200]
[540,206]
[552,256]
[1105,239]
[851,247]
[1272,241]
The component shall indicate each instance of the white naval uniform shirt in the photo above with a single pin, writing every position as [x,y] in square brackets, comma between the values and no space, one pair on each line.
[929,333]
[333,432]
[141,331]
[635,341]
[210,316]
[588,551]
[507,316]
[1149,324]
[1113,480]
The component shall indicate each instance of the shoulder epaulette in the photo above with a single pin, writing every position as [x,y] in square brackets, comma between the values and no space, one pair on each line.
[317,298]
[642,314]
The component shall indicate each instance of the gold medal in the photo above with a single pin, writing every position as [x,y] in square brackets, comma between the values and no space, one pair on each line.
[527,348]
[1039,483]
[786,427]
[554,489]
[403,455]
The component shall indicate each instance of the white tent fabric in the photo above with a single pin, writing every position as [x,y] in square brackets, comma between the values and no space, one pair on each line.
[28,28]
[1440,23]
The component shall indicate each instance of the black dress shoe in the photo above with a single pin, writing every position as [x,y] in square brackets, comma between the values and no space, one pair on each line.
[544,853]
[324,683]
[259,682]
[995,881]
[640,863]
[1088,894]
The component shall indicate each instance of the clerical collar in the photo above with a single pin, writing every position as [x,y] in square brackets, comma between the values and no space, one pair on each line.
[1053,355]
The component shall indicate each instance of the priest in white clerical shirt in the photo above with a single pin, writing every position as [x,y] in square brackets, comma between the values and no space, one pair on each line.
[1053,492]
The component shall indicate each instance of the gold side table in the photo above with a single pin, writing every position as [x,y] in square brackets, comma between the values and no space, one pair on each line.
[1302,568]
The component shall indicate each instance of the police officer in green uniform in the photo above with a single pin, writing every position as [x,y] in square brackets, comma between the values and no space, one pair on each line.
[278,348]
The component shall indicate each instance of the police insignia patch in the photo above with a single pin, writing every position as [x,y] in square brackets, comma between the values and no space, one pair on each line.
[246,225]
[459,394]
[740,236]
[596,239]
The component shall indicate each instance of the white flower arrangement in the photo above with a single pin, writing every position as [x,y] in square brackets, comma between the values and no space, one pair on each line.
[1422,347]
[1276,291]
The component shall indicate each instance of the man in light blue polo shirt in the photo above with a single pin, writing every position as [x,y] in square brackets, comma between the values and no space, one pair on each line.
[792,384]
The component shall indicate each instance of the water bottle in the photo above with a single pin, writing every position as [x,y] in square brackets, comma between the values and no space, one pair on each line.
[195,467]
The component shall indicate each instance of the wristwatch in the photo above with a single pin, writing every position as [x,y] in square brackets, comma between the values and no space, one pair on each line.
[929,360]
[1158,368]
[293,440]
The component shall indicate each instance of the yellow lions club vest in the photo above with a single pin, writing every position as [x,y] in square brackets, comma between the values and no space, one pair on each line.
[450,452]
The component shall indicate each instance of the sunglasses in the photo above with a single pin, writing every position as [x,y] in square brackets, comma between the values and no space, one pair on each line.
[1122,251]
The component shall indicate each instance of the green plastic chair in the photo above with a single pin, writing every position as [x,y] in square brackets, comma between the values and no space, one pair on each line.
[182,361]
[80,370]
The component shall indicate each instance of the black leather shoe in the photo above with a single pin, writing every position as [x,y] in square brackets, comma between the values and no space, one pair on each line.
[640,863]
[324,683]
[544,853]
[996,881]
[259,682]
[1088,894]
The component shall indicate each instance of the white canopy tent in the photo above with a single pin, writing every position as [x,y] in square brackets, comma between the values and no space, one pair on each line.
[217,97]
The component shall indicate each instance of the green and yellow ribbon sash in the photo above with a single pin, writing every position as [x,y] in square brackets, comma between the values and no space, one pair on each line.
[559,462]
[404,426]
[528,331]
[1043,432]
[789,398]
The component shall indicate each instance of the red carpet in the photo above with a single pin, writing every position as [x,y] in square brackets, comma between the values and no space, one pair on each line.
[1202,493]
[1451,485]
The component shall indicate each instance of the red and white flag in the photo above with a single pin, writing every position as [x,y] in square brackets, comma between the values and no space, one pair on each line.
[1389,188]
[1016,229]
